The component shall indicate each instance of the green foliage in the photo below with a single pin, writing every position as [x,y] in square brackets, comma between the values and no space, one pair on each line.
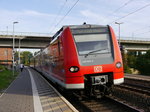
[127,69]
[16,56]
[2,68]
[143,63]
[6,78]
[25,57]
[131,60]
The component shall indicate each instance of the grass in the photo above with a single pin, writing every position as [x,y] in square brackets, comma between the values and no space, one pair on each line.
[6,78]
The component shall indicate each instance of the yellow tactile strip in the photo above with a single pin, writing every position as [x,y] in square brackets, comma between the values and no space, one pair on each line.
[50,101]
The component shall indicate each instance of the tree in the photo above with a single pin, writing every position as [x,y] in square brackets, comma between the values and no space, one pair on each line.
[131,59]
[25,57]
[143,63]
[16,56]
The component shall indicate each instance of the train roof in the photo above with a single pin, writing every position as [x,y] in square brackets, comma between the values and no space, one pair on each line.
[79,27]
[84,26]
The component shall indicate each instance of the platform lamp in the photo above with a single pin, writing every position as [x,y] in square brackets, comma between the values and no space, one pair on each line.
[14,44]
[19,50]
[119,23]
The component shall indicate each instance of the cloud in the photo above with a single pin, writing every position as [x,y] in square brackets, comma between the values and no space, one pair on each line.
[29,20]
[42,19]
[35,13]
[34,21]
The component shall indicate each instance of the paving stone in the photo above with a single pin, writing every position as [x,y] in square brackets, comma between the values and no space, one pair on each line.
[51,102]
[18,97]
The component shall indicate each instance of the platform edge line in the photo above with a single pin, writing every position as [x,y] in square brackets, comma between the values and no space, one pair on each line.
[36,99]
[64,99]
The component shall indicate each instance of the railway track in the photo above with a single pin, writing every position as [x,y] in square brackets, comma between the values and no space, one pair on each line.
[107,104]
[137,84]
[134,91]
[136,88]
[137,77]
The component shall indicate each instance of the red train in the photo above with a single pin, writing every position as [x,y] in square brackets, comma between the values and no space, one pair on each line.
[83,58]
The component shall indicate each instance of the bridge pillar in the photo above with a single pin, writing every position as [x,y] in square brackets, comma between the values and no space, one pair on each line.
[124,56]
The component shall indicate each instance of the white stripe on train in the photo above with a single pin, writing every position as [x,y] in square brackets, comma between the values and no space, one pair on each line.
[118,81]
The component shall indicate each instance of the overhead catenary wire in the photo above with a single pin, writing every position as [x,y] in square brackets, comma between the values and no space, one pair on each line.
[59,12]
[142,33]
[140,29]
[65,15]
[130,13]
[122,6]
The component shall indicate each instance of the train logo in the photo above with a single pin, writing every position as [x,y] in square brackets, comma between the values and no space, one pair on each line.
[98,69]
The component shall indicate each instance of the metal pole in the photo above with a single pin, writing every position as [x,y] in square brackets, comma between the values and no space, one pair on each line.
[7,57]
[119,34]
[119,30]
[7,48]
[133,35]
[7,30]
[19,52]
[14,46]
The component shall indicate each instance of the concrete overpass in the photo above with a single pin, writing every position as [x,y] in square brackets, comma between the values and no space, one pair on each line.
[27,39]
[40,40]
[138,44]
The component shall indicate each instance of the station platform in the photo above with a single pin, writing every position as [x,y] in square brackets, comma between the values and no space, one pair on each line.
[137,77]
[30,92]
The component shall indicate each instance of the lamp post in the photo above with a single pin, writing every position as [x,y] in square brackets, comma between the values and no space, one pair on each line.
[14,45]
[19,51]
[7,48]
[7,30]
[119,29]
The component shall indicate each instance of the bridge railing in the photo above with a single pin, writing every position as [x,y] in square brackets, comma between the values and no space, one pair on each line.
[134,38]
[10,33]
[26,33]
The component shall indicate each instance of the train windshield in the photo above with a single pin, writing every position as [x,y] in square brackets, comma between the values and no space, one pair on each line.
[88,44]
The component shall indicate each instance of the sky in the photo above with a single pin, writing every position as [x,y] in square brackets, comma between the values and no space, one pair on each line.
[48,16]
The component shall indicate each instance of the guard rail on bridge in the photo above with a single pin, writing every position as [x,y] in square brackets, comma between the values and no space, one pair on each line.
[40,40]
[26,39]
[10,33]
[135,39]
[5,33]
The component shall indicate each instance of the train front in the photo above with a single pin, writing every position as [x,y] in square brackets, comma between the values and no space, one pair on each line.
[98,62]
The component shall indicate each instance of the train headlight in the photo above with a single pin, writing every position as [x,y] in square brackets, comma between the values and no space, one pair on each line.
[74,69]
[118,65]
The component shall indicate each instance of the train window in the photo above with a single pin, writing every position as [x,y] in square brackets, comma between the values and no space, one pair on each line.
[93,43]
[59,46]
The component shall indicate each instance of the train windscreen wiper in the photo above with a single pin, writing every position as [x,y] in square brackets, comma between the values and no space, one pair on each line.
[94,51]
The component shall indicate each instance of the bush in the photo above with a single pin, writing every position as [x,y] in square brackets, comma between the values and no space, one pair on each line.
[2,68]
[131,61]
[127,69]
[143,63]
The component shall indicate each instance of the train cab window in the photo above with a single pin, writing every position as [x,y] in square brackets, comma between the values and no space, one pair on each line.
[93,43]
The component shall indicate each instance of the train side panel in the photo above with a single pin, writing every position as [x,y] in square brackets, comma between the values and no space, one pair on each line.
[73,80]
[62,54]
[118,72]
